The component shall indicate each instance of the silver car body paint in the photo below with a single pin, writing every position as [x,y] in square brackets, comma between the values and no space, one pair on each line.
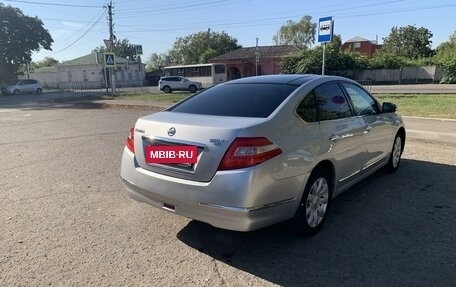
[251,198]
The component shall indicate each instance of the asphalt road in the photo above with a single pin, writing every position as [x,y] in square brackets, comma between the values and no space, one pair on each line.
[65,218]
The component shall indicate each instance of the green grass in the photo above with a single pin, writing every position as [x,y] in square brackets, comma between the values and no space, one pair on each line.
[422,105]
[418,105]
[153,97]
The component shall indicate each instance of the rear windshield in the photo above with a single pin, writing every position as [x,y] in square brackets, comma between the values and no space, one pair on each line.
[237,100]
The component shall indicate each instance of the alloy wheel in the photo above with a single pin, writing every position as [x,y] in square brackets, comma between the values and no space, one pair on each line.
[317,202]
[397,151]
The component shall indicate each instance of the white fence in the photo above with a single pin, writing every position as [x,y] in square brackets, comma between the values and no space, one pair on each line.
[404,75]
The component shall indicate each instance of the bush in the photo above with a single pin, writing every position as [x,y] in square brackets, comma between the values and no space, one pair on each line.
[449,71]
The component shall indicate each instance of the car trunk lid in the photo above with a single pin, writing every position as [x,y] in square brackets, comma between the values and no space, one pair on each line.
[212,135]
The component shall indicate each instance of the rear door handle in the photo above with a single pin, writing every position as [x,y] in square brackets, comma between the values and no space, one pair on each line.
[339,137]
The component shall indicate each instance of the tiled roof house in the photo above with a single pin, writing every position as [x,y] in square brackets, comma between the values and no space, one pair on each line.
[361,45]
[241,62]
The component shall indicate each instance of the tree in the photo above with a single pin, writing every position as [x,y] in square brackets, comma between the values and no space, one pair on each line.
[121,48]
[300,34]
[20,36]
[447,48]
[409,42]
[201,46]
[446,57]
[156,61]
[46,62]
[310,60]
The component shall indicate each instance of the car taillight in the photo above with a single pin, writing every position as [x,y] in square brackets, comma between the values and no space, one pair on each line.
[246,152]
[131,140]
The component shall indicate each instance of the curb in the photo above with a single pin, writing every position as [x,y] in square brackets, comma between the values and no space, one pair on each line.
[103,105]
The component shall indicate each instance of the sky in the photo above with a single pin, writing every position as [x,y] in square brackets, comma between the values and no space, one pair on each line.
[78,27]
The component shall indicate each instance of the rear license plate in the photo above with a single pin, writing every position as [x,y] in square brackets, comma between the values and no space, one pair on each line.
[186,155]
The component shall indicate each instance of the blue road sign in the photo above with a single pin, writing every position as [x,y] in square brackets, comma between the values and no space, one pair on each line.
[138,49]
[325,29]
[109,60]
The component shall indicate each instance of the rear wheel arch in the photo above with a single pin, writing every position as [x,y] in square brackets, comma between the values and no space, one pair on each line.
[328,167]
[315,200]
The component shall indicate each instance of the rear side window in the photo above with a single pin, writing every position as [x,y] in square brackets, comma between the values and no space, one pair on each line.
[325,102]
[307,109]
[331,102]
[237,100]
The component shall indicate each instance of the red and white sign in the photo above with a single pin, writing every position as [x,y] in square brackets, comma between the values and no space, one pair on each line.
[171,154]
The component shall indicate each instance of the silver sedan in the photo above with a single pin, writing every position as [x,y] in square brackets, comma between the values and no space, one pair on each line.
[257,151]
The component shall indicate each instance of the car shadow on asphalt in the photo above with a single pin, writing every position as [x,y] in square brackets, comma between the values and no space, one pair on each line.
[388,230]
[83,105]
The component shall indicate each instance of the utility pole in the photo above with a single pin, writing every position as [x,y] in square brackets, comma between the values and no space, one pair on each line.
[111,39]
[111,26]
[257,57]
[208,38]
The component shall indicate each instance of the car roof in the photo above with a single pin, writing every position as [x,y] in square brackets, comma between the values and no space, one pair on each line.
[292,79]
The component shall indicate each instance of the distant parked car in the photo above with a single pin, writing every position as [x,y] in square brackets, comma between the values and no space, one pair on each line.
[24,86]
[256,151]
[176,83]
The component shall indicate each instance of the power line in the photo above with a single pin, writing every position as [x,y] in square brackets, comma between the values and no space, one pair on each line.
[173,7]
[275,20]
[85,33]
[171,10]
[81,29]
[54,4]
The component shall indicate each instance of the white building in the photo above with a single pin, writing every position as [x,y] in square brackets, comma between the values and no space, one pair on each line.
[89,71]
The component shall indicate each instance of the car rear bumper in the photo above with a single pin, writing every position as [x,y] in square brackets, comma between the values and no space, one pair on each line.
[207,202]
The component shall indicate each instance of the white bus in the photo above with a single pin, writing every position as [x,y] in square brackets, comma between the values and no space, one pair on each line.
[207,74]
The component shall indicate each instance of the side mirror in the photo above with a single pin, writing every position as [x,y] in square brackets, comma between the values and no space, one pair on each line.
[388,107]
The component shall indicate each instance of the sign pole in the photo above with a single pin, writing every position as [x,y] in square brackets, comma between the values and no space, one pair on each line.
[139,72]
[113,79]
[106,79]
[324,59]
[325,35]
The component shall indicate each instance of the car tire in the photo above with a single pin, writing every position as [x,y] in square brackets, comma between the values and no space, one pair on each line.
[192,89]
[396,153]
[39,91]
[16,92]
[314,206]
[167,89]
